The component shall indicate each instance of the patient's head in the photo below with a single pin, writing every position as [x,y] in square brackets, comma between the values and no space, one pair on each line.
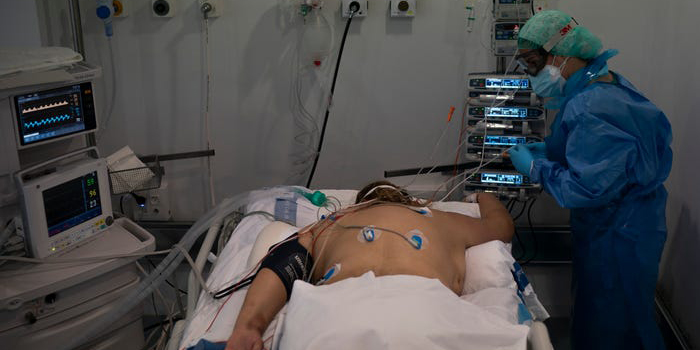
[386,191]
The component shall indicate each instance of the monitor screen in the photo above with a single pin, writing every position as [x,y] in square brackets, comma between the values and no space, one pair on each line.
[506,112]
[72,203]
[507,31]
[505,179]
[51,114]
[492,140]
[510,84]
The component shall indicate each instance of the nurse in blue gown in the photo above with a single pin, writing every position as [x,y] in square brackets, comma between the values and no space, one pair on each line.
[606,159]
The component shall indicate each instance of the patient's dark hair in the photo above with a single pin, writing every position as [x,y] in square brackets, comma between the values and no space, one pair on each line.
[386,194]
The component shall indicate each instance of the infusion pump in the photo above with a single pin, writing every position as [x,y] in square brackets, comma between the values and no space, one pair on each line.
[512,9]
[505,37]
[503,112]
[502,183]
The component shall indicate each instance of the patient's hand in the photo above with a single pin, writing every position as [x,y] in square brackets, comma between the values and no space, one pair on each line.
[245,339]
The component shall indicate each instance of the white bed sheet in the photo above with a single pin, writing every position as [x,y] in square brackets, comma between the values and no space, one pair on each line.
[392,312]
[213,320]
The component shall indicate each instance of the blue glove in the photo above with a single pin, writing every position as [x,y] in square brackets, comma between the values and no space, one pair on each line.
[522,159]
[538,150]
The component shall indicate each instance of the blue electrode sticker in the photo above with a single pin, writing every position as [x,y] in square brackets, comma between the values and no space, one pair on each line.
[417,239]
[368,234]
[334,270]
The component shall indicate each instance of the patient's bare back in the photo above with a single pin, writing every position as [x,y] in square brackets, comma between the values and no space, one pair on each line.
[390,240]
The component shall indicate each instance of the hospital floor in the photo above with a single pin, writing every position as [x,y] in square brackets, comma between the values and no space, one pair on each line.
[560,334]
[551,282]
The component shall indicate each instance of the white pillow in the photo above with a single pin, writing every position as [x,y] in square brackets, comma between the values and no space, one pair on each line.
[468,209]
[272,233]
[488,266]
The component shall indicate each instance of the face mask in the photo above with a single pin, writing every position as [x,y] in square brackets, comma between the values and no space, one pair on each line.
[549,82]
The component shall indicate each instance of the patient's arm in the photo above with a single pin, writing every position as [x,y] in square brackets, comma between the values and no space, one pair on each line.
[495,218]
[265,298]
[495,223]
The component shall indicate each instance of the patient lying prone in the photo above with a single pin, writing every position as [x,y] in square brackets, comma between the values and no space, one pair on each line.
[387,232]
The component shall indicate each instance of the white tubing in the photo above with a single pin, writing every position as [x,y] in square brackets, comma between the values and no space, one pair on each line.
[192,284]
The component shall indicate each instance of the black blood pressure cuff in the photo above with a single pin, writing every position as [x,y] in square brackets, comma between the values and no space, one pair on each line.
[290,261]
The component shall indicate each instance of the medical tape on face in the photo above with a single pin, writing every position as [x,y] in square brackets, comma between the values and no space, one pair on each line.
[558,36]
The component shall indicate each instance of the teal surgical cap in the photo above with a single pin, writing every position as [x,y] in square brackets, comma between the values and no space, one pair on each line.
[579,42]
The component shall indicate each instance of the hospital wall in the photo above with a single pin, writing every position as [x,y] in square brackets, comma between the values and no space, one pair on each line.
[396,83]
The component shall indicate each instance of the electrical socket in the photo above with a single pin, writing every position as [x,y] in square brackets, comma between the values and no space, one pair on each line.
[157,207]
[215,9]
[345,8]
[121,8]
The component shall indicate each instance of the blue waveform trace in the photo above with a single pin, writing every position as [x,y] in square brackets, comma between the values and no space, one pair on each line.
[50,120]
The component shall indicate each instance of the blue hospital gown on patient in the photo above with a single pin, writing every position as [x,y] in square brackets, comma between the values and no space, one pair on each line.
[608,156]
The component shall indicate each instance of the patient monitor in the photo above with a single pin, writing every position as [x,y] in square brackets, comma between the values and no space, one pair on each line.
[64,205]
[54,114]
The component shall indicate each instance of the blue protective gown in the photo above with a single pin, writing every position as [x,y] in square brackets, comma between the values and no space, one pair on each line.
[608,156]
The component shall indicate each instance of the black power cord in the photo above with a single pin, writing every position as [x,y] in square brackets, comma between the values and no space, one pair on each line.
[234,287]
[354,8]
[510,206]
[532,230]
[166,280]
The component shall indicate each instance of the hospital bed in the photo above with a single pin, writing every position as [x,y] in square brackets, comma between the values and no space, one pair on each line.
[241,239]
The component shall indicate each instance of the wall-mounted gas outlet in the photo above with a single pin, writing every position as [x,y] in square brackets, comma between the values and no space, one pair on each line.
[402,8]
[121,8]
[210,8]
[164,8]
[347,7]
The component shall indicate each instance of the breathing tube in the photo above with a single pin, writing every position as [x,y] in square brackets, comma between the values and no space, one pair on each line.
[171,262]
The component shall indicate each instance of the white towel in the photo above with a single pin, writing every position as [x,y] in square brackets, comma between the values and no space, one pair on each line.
[14,60]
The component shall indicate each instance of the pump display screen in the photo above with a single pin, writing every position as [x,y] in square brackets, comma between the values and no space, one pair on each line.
[514,2]
[510,84]
[492,140]
[507,31]
[504,179]
[506,112]
[72,203]
[50,114]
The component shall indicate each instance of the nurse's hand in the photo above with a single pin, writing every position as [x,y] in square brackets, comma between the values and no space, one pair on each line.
[522,159]
[538,150]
